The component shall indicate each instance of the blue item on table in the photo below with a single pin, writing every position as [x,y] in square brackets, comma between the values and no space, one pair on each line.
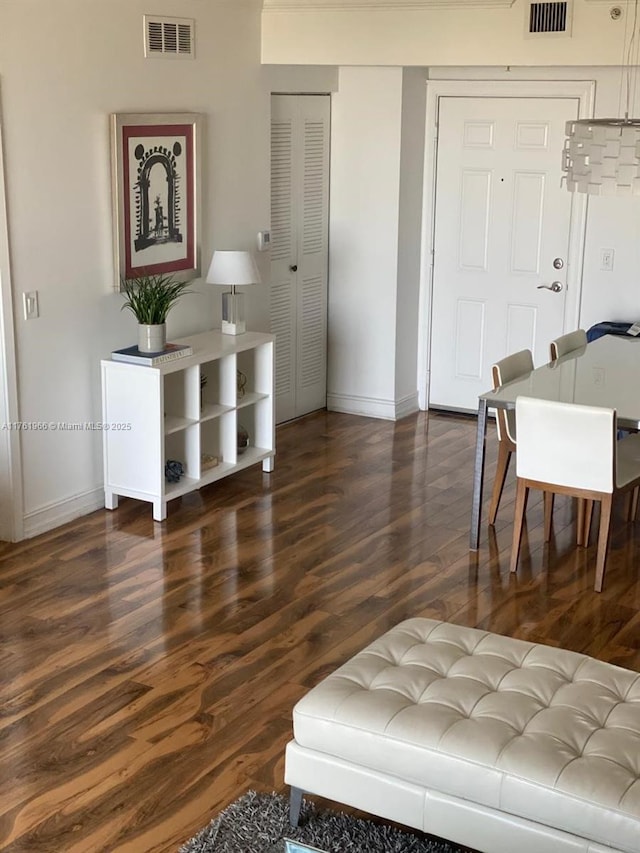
[607,327]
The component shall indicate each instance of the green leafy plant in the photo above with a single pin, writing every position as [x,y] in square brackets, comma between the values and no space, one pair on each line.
[151,297]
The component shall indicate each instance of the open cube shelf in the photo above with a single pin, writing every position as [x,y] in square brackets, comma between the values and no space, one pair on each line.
[188,411]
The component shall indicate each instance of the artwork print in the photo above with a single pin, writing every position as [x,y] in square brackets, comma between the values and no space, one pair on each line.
[155,194]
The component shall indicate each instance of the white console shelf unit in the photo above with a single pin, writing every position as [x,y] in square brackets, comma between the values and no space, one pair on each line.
[187,410]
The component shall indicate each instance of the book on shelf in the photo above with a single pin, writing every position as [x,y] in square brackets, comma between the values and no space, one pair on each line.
[170,353]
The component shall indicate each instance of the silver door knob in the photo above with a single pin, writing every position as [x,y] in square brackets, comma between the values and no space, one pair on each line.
[556,286]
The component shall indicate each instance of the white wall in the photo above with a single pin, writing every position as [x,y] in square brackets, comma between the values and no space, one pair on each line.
[299,79]
[409,238]
[64,67]
[363,240]
[443,35]
[10,478]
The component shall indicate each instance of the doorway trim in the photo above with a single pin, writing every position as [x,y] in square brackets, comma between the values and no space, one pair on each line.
[584,92]
[11,495]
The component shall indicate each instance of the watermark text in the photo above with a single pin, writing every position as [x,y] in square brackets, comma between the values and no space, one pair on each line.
[65,426]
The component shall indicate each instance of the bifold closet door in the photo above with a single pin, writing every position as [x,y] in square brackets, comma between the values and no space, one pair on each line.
[300,129]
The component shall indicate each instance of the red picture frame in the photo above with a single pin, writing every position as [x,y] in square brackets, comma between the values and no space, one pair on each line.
[155,171]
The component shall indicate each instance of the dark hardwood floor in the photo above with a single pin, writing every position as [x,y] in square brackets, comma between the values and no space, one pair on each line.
[149,670]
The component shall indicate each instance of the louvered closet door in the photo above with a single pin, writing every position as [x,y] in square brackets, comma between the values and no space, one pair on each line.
[299,250]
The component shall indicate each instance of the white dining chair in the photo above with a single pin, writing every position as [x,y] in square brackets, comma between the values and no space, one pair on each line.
[571,449]
[567,343]
[557,348]
[503,371]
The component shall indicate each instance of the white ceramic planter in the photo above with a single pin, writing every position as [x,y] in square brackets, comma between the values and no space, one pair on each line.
[152,338]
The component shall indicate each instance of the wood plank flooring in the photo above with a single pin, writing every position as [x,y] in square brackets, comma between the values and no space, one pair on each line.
[148,670]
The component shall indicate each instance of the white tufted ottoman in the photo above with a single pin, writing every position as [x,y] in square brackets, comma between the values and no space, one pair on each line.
[495,743]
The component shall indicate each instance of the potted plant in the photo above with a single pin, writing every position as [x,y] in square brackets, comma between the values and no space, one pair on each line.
[150,298]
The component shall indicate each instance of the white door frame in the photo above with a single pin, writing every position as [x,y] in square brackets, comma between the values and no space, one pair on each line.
[584,91]
[11,506]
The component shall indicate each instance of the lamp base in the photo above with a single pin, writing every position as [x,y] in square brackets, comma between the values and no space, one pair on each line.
[233,328]
[233,322]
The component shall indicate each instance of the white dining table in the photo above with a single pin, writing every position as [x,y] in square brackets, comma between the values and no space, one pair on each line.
[605,372]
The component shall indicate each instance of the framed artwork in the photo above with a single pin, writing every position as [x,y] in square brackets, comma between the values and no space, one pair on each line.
[156,174]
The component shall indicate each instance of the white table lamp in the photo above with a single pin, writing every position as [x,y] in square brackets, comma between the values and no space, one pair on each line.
[230,268]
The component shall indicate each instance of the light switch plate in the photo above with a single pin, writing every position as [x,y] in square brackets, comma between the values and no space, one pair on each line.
[606,259]
[30,305]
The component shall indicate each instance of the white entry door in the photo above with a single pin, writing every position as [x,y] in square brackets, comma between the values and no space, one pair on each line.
[300,135]
[501,238]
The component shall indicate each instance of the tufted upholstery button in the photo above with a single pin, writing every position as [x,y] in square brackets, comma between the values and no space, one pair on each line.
[539,732]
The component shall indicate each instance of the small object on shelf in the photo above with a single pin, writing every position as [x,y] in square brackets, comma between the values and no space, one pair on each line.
[203,383]
[241,382]
[208,461]
[243,439]
[173,470]
[152,338]
[170,353]
[150,298]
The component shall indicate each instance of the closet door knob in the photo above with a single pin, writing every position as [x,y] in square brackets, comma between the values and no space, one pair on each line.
[294,267]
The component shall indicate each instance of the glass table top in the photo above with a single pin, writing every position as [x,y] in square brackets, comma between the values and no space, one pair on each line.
[604,373]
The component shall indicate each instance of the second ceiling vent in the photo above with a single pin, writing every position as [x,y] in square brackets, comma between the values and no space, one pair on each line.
[548,19]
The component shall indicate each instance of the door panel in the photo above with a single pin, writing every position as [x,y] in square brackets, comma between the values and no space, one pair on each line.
[299,255]
[501,217]
[469,338]
[283,327]
[283,301]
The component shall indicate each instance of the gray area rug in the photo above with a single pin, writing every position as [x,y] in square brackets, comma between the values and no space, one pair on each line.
[256,822]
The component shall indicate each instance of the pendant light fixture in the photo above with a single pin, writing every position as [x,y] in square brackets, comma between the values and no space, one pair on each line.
[602,156]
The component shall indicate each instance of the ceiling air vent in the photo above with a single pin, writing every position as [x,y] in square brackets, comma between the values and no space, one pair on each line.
[169,37]
[549,19]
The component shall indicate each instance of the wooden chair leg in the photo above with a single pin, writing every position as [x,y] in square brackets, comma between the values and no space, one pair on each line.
[588,516]
[580,522]
[585,514]
[504,457]
[522,493]
[548,514]
[603,539]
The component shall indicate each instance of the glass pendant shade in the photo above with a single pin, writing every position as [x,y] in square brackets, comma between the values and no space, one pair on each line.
[602,156]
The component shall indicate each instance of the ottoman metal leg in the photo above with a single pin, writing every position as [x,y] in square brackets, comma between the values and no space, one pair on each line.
[295,804]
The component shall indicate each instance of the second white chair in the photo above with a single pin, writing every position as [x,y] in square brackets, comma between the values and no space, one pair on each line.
[566,448]
[563,346]
[567,343]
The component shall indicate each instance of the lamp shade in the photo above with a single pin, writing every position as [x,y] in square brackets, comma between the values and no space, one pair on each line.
[233,268]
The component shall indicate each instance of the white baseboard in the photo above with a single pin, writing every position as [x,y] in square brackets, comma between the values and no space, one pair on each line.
[55,514]
[373,407]
[407,406]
